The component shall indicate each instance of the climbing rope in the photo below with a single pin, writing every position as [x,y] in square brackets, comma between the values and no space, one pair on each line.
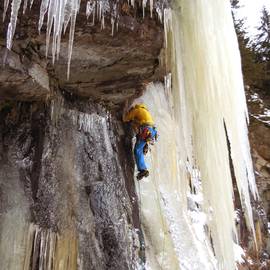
[160,212]
[140,200]
[142,240]
[162,220]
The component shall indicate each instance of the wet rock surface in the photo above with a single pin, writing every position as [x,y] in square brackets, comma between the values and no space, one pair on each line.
[65,166]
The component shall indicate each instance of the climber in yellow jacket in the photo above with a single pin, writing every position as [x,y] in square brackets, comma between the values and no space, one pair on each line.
[139,115]
[143,124]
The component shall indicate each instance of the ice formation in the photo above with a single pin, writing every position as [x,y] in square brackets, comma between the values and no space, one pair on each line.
[205,107]
[60,14]
[193,212]
[178,239]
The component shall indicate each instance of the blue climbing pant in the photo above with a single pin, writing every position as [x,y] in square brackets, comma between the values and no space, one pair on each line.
[139,156]
[138,150]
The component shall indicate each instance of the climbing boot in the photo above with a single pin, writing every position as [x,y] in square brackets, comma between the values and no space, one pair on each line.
[141,174]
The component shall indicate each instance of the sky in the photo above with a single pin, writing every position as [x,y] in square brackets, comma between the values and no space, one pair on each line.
[251,9]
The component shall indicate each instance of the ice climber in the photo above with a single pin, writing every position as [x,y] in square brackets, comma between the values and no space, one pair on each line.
[143,124]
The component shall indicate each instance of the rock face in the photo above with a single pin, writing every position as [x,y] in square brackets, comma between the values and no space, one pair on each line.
[104,67]
[66,173]
[22,80]
[259,135]
[67,191]
[260,144]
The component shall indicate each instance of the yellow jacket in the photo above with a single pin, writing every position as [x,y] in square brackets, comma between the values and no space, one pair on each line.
[139,115]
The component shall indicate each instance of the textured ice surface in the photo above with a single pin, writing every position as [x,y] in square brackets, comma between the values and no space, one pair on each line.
[207,94]
[178,239]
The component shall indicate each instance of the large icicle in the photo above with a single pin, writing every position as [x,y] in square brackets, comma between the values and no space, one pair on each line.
[207,92]
[43,10]
[6,4]
[75,5]
[207,77]
[59,14]
[15,6]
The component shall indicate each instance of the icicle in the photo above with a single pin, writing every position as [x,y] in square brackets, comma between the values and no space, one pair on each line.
[25,6]
[58,26]
[6,4]
[31,4]
[113,17]
[13,20]
[167,23]
[94,15]
[49,24]
[75,8]
[90,8]
[55,26]
[112,22]
[151,8]
[100,10]
[168,82]
[58,44]
[144,2]
[67,16]
[159,13]
[102,25]
[43,10]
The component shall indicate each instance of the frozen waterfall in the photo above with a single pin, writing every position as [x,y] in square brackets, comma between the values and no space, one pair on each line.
[189,195]
[187,203]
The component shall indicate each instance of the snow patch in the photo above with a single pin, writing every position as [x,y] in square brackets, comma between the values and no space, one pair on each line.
[239,253]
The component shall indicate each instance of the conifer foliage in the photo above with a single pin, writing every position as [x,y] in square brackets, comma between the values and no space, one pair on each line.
[262,44]
[255,53]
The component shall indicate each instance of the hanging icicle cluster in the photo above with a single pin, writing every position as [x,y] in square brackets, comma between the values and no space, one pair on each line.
[59,14]
[62,13]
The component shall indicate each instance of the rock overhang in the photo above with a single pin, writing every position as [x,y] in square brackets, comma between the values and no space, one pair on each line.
[105,67]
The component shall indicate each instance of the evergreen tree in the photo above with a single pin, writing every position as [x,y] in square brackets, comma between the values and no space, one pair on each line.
[262,49]
[263,38]
[252,69]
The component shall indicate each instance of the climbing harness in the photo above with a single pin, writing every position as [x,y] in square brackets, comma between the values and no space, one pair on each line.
[145,134]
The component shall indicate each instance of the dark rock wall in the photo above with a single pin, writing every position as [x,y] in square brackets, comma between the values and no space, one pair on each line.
[258,257]
[68,162]
[67,191]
